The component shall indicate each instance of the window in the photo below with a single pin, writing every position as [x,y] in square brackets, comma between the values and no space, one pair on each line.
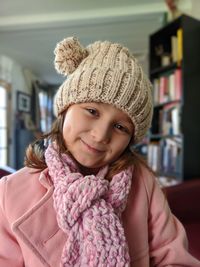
[3,127]
[46,104]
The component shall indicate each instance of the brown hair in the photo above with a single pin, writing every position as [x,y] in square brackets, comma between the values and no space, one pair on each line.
[34,157]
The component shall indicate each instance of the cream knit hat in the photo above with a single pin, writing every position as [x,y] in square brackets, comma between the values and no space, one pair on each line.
[104,72]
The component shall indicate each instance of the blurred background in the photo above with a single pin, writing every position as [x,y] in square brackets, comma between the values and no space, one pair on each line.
[29,31]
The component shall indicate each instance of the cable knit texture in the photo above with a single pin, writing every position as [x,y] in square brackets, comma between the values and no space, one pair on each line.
[88,210]
[104,72]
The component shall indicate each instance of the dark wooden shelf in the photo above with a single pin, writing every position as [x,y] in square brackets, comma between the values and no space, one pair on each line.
[186,161]
[161,136]
[161,105]
[161,70]
[170,174]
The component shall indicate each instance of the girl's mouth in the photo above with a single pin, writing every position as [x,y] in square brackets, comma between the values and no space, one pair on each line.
[91,148]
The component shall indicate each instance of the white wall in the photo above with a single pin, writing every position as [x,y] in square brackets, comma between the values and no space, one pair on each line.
[20,80]
[190,7]
[195,11]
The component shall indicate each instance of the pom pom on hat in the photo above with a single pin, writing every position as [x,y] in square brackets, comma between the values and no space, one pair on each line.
[68,55]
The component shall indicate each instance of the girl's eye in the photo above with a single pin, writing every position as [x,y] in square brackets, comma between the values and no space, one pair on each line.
[122,128]
[92,111]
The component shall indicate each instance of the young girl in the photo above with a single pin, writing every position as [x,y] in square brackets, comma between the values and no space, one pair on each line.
[85,199]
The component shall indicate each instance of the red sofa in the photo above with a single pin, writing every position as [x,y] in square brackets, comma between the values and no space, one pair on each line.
[184,201]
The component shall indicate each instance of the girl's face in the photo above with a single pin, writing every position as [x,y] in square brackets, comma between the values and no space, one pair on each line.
[96,133]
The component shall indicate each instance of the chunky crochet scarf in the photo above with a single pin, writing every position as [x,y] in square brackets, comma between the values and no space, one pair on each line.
[88,210]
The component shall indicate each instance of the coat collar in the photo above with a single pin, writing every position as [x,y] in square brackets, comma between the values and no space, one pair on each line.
[45,179]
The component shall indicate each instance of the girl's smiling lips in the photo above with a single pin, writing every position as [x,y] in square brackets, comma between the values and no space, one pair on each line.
[91,148]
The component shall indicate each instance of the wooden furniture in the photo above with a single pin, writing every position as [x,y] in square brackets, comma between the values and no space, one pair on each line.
[184,200]
[174,140]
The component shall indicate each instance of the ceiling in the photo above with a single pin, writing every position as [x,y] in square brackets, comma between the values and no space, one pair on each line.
[29,30]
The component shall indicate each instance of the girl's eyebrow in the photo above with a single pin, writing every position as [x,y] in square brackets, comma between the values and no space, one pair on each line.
[127,118]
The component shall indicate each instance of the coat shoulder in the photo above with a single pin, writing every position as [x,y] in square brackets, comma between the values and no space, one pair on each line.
[144,180]
[19,176]
[18,191]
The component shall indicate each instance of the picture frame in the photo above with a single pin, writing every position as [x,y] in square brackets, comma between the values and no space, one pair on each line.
[23,102]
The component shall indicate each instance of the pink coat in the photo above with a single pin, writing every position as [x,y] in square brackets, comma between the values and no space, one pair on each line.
[30,236]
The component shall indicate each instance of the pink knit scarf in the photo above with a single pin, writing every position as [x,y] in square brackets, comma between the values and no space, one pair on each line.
[88,211]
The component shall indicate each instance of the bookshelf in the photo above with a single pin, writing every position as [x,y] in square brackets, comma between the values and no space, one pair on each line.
[174,140]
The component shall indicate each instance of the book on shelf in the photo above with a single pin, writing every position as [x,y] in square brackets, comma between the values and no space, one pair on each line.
[175,120]
[163,90]
[156,91]
[165,156]
[172,87]
[178,84]
[174,48]
[171,155]
[179,45]
[168,87]
[153,156]
[169,119]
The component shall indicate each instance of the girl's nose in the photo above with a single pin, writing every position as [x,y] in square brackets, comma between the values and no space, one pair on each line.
[101,133]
